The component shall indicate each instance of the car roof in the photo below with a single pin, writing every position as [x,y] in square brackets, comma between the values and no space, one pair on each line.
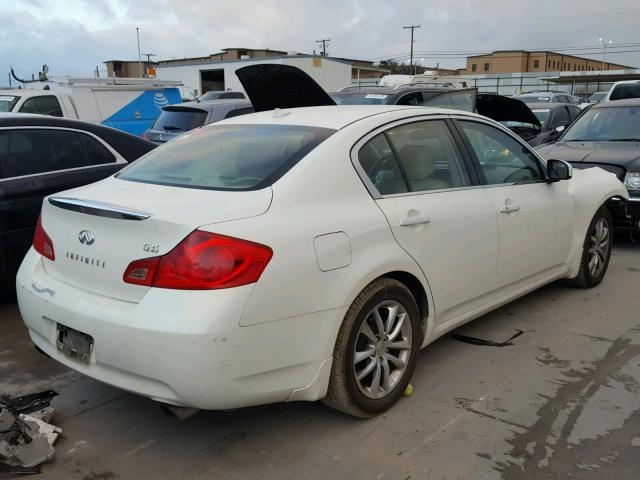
[391,90]
[332,116]
[129,146]
[627,102]
[24,92]
[209,105]
[547,105]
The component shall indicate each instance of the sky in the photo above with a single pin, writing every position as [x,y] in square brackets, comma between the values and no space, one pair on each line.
[74,36]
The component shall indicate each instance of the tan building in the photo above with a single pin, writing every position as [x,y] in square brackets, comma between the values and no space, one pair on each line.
[129,68]
[522,61]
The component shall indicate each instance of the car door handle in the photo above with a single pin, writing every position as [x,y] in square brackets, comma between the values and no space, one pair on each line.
[509,208]
[408,221]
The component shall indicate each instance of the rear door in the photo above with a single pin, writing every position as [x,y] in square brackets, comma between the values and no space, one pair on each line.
[535,218]
[421,180]
[35,162]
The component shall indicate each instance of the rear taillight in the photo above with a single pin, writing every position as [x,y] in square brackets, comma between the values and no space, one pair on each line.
[42,243]
[202,261]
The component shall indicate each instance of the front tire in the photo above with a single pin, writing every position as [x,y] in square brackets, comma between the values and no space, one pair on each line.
[376,350]
[596,251]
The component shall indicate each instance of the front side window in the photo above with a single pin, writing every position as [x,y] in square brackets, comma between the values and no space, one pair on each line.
[227,157]
[29,152]
[415,157]
[502,158]
[43,105]
[561,117]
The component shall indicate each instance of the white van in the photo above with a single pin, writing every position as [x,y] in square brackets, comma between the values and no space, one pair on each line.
[129,104]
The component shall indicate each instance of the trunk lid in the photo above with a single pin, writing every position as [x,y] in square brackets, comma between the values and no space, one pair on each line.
[99,229]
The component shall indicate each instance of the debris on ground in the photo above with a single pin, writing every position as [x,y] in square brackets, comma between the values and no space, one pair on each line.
[487,343]
[26,437]
[408,391]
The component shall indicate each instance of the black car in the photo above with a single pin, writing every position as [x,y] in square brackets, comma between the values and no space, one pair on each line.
[400,95]
[553,117]
[40,155]
[546,97]
[606,136]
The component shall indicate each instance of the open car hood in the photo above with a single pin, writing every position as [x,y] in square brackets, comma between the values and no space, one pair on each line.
[505,109]
[270,86]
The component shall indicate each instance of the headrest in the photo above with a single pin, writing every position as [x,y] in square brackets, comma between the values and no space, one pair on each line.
[417,161]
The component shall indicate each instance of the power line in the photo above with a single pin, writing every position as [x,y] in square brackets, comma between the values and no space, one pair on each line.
[324,42]
[412,27]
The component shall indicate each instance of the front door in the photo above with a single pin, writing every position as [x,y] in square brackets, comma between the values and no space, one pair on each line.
[436,211]
[535,217]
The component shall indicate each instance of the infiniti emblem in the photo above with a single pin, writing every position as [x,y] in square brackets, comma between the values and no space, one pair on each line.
[86,237]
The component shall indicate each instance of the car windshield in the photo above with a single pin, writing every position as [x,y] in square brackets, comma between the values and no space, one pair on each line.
[211,96]
[360,98]
[606,124]
[7,102]
[534,99]
[624,91]
[596,97]
[180,120]
[541,114]
[227,157]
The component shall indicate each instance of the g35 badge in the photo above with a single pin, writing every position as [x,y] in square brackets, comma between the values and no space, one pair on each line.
[151,247]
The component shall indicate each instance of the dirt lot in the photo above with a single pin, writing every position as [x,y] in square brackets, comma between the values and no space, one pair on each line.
[563,402]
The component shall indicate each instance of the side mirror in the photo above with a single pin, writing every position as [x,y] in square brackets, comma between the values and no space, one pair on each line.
[559,170]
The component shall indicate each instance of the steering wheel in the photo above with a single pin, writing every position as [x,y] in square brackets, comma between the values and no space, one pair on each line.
[523,174]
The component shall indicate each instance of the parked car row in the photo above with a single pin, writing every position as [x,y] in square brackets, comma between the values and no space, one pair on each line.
[307,251]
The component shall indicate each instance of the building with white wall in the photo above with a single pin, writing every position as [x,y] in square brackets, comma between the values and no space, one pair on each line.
[203,74]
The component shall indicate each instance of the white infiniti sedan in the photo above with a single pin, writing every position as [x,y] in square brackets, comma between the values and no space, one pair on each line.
[304,254]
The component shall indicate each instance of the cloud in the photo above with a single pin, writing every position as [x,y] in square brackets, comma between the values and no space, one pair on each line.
[73,36]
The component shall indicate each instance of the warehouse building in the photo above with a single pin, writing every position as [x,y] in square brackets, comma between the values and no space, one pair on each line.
[217,71]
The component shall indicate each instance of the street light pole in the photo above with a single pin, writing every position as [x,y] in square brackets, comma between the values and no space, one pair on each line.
[605,44]
[139,55]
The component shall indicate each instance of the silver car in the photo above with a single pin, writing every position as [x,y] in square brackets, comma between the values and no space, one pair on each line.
[176,120]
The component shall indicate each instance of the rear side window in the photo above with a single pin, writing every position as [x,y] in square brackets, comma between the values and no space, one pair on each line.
[44,105]
[227,157]
[180,120]
[97,154]
[29,152]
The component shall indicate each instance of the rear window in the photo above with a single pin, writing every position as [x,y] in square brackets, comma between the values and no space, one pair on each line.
[180,120]
[227,157]
[360,98]
[624,91]
[534,99]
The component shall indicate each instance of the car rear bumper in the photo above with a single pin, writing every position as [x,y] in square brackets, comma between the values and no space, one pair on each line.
[182,347]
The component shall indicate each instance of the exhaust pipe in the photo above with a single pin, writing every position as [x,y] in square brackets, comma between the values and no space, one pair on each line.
[178,413]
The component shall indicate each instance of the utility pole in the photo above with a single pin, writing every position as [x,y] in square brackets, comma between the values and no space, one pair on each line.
[139,55]
[149,55]
[412,27]
[605,44]
[324,42]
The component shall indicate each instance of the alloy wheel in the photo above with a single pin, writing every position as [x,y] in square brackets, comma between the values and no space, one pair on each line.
[598,247]
[382,349]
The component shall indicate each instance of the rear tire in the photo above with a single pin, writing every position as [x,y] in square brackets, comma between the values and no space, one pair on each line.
[596,251]
[376,350]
